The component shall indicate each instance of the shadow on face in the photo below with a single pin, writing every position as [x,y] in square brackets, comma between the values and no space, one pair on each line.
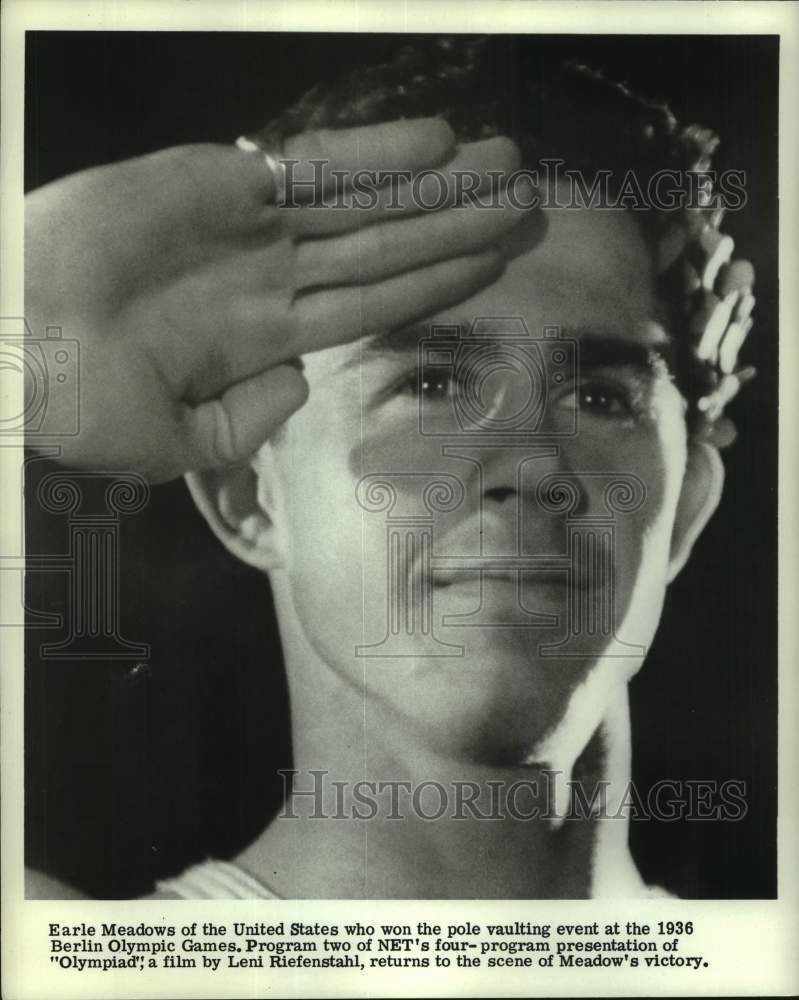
[474,519]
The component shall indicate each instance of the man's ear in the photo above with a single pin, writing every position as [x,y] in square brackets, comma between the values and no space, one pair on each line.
[701,491]
[239,505]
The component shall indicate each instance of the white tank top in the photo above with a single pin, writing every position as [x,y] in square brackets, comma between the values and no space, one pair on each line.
[215,880]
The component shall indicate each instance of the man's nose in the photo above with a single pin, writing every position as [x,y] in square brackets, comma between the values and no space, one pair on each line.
[499,494]
[520,471]
[513,513]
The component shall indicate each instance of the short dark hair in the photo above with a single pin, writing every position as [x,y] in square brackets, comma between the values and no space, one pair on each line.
[553,108]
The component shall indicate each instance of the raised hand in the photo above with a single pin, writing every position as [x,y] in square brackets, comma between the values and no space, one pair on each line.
[192,292]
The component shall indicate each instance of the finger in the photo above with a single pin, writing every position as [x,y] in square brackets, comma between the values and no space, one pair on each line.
[738,276]
[234,336]
[475,173]
[213,189]
[377,252]
[224,185]
[229,429]
[339,315]
[209,187]
[406,144]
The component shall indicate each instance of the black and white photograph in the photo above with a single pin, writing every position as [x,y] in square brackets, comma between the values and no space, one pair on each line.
[399,441]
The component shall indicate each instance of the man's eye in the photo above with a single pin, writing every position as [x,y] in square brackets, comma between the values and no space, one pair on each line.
[434,384]
[601,399]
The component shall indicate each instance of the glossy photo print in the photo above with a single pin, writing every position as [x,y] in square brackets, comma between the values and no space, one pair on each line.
[401,471]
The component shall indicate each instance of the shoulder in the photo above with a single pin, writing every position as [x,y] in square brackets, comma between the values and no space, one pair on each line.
[210,879]
[38,885]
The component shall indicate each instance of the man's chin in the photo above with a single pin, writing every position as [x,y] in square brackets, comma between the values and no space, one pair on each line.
[494,702]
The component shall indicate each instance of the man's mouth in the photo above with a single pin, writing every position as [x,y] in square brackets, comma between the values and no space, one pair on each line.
[517,571]
[498,562]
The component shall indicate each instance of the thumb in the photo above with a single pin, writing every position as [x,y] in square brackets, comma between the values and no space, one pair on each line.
[229,429]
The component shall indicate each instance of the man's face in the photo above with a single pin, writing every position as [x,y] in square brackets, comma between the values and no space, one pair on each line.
[359,570]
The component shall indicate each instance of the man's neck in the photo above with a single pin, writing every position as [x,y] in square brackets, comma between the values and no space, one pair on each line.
[374,813]
[413,857]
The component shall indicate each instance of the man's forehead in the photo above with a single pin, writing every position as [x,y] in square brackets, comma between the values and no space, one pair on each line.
[587,273]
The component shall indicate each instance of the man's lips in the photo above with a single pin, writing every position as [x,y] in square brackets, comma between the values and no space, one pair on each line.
[503,564]
[515,570]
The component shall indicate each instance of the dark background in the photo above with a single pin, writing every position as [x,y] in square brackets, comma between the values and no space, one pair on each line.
[133,773]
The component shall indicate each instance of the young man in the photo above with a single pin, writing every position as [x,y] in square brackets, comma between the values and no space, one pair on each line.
[462,600]
[470,524]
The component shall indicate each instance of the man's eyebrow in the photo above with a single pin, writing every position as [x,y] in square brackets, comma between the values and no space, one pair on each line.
[598,349]
[388,343]
[595,347]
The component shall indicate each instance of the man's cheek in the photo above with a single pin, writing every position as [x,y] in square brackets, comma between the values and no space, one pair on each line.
[340,563]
